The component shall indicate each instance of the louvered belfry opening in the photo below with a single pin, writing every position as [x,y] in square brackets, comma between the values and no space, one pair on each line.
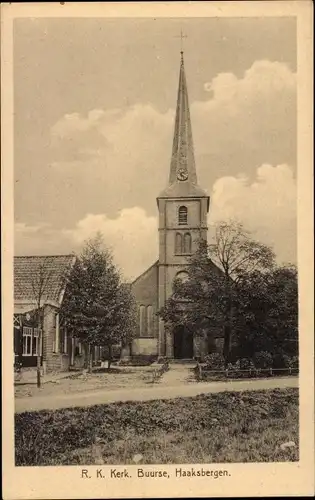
[182,216]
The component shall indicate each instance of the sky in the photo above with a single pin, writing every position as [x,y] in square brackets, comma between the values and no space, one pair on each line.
[94,105]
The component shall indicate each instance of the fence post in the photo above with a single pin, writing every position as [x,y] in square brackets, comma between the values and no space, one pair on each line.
[226,373]
[290,370]
[270,371]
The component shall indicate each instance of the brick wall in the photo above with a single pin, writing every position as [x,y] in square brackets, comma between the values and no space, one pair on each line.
[145,291]
[145,347]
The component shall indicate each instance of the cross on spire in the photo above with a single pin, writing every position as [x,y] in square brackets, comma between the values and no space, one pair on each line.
[181,36]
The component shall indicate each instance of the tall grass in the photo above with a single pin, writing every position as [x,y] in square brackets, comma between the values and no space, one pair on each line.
[226,427]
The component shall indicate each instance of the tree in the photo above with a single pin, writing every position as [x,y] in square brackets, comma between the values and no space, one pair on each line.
[267,313]
[216,273]
[239,256]
[40,283]
[98,307]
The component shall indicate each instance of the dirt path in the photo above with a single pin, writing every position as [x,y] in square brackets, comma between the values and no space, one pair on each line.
[159,391]
[178,374]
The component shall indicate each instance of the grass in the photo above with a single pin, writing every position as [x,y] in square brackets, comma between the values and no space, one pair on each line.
[225,427]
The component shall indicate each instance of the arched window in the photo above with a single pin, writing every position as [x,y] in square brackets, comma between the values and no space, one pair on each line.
[178,244]
[187,243]
[182,215]
[142,322]
[150,321]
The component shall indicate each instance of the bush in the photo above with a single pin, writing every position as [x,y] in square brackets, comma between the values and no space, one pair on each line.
[281,360]
[263,360]
[161,360]
[294,362]
[214,361]
[245,364]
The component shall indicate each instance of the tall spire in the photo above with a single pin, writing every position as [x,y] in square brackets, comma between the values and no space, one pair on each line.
[183,177]
[183,160]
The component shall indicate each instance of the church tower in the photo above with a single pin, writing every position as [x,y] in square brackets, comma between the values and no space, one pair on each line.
[183,208]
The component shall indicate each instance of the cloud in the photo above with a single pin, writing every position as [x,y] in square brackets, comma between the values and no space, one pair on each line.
[266,206]
[247,121]
[132,236]
[124,154]
[115,161]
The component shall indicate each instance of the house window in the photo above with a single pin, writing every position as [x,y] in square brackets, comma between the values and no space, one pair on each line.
[27,341]
[65,345]
[187,243]
[56,341]
[78,346]
[16,321]
[150,320]
[182,215]
[37,342]
[178,244]
[142,321]
[63,342]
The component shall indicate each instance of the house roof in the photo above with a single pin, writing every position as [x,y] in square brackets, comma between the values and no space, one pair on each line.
[35,273]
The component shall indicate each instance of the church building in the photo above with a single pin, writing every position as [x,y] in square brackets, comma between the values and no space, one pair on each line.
[183,207]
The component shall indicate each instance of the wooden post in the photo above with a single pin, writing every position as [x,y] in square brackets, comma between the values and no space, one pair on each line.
[39,330]
[20,353]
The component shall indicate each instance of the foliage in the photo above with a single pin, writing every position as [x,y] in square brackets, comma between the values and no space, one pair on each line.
[98,307]
[56,437]
[234,285]
[246,364]
[214,361]
[281,360]
[267,313]
[294,362]
[263,359]
[237,253]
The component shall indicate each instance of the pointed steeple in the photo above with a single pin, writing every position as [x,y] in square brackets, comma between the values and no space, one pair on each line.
[183,176]
[183,159]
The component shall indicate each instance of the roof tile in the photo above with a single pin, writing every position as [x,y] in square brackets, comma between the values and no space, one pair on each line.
[32,273]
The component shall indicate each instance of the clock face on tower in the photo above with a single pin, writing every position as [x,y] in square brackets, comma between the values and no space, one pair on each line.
[182,174]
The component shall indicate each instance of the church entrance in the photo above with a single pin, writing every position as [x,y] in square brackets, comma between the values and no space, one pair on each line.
[183,343]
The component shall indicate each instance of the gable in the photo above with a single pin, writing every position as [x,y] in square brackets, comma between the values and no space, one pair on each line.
[145,287]
[32,273]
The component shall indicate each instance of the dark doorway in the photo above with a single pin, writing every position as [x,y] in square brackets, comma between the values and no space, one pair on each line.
[183,343]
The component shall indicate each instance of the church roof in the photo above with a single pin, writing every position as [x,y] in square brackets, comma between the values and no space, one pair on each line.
[183,189]
[183,158]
